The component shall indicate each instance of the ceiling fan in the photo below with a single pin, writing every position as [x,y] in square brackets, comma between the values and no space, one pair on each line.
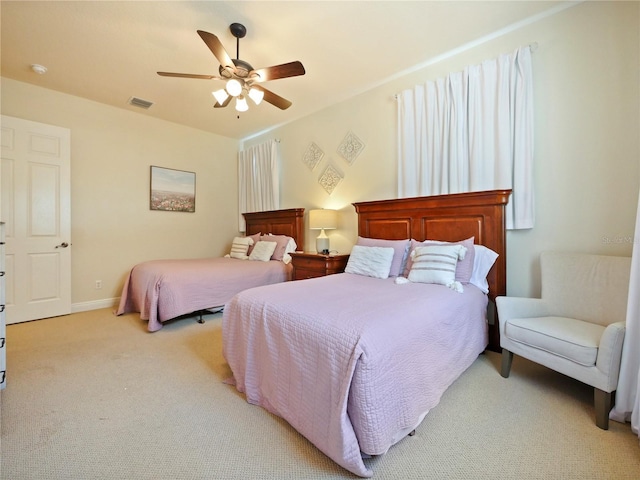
[242,80]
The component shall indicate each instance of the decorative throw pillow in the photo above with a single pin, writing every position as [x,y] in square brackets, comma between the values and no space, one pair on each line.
[400,251]
[437,264]
[240,247]
[281,242]
[256,238]
[262,251]
[370,261]
[464,267]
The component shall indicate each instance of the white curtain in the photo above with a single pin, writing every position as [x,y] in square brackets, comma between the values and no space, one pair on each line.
[471,131]
[259,179]
[627,406]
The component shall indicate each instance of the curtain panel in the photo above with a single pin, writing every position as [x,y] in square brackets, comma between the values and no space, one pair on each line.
[471,131]
[258,180]
[627,404]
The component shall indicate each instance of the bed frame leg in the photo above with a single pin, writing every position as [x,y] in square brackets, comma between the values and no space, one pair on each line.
[200,313]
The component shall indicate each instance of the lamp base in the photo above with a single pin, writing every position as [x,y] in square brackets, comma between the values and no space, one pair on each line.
[322,243]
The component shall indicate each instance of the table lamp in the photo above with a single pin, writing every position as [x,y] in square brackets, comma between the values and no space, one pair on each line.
[323,220]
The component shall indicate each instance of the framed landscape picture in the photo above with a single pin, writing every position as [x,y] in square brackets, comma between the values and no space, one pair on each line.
[173,190]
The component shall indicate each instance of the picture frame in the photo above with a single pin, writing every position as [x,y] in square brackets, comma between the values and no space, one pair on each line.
[172,190]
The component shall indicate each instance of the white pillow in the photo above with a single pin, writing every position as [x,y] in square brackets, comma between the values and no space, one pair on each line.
[370,261]
[482,263]
[262,251]
[291,247]
[437,264]
[400,247]
[240,247]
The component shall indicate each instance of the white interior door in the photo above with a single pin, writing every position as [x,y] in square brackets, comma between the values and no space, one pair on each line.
[35,206]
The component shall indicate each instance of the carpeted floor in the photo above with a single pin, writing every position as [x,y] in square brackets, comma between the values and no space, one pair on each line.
[95,396]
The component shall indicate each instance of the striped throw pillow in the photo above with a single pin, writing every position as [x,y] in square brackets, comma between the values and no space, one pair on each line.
[240,247]
[436,264]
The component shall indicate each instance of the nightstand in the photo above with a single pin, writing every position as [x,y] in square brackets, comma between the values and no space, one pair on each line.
[311,265]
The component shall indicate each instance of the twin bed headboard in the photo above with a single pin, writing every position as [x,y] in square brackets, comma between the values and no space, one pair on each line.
[289,222]
[450,217]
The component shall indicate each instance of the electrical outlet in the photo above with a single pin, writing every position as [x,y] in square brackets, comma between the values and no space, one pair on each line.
[98,284]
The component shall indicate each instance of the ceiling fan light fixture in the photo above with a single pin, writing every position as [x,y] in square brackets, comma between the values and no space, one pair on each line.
[221,95]
[256,95]
[241,104]
[234,87]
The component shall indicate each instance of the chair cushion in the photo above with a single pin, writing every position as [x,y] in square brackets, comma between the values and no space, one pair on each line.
[572,339]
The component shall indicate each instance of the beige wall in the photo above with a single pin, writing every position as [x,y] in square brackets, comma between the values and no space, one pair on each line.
[111,153]
[586,138]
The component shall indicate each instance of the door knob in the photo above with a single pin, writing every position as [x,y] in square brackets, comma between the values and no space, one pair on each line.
[62,245]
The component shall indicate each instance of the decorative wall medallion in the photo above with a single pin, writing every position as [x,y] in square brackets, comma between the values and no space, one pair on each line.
[350,148]
[312,156]
[330,179]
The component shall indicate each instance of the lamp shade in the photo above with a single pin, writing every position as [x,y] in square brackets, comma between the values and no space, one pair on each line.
[234,87]
[221,95]
[256,95]
[323,219]
[241,104]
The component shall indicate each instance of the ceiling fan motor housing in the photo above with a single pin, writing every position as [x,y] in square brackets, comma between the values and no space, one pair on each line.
[242,69]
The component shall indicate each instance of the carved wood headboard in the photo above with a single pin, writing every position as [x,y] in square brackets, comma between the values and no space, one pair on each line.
[446,217]
[289,222]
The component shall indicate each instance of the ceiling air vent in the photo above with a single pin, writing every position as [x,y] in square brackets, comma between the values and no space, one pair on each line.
[138,102]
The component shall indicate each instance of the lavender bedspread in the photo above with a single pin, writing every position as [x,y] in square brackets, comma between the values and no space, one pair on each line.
[164,289]
[353,363]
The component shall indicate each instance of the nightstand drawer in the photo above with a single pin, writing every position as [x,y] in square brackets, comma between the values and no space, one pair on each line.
[312,265]
[303,273]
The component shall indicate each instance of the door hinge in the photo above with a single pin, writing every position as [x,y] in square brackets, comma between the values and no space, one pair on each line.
[2,340]
[3,374]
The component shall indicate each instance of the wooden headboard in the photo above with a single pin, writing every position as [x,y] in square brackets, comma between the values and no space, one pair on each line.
[289,222]
[450,218]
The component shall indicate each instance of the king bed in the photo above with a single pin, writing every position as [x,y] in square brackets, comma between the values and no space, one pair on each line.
[355,361]
[161,290]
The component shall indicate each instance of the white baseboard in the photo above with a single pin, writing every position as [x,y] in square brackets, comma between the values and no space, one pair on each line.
[95,305]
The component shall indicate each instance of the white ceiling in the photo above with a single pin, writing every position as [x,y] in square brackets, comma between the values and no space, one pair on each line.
[109,51]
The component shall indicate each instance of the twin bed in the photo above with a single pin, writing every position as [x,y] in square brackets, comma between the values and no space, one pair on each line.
[351,361]
[354,362]
[163,290]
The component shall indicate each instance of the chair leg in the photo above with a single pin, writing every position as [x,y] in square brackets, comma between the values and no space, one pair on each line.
[507,359]
[602,404]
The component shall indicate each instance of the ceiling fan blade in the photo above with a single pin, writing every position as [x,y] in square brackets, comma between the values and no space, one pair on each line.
[224,104]
[188,75]
[291,69]
[273,99]
[217,49]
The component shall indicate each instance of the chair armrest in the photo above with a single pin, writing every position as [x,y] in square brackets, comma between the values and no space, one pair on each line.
[521,307]
[610,352]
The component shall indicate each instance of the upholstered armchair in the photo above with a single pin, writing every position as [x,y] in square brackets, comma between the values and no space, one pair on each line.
[577,327]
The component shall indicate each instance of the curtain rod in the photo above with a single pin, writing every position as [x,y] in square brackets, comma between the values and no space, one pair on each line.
[532,46]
